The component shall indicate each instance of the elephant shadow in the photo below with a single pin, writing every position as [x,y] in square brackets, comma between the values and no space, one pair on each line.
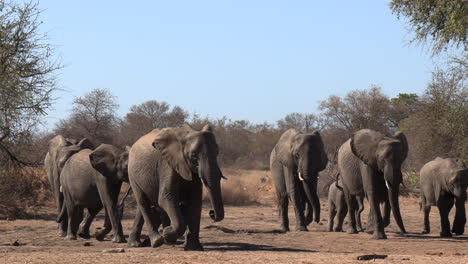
[418,236]
[239,246]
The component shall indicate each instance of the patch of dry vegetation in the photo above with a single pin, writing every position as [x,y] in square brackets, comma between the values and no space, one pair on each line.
[22,190]
[246,187]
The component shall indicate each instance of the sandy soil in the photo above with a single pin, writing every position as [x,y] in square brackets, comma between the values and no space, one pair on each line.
[248,234]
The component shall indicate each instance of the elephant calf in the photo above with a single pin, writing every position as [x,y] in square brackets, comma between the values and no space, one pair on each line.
[92,180]
[443,182]
[337,207]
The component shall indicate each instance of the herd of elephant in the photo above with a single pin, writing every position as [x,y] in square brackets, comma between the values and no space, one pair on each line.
[167,169]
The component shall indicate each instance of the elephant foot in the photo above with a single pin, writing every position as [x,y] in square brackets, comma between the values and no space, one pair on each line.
[70,237]
[84,235]
[284,229]
[62,233]
[193,246]
[100,235]
[118,239]
[301,228]
[156,240]
[351,230]
[458,231]
[338,229]
[170,236]
[379,235]
[426,231]
[445,234]
[134,243]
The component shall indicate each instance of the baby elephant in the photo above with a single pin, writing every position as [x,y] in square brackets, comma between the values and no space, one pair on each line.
[337,207]
[443,182]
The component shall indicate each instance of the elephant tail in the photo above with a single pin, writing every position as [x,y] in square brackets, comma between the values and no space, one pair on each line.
[63,211]
[121,203]
[336,180]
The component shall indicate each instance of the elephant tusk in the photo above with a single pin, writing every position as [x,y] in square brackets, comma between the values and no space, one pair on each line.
[300,176]
[386,184]
[61,189]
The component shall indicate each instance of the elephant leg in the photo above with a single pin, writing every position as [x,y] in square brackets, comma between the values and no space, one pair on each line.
[351,207]
[100,234]
[192,215]
[459,222]
[444,209]
[74,219]
[294,194]
[309,211]
[426,210]
[360,203]
[144,209]
[109,197]
[379,232]
[134,237]
[83,230]
[331,215]
[63,225]
[341,215]
[177,228]
[283,211]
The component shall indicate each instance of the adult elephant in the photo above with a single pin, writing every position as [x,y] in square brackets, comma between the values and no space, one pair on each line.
[295,163]
[167,170]
[443,182]
[370,165]
[92,180]
[52,169]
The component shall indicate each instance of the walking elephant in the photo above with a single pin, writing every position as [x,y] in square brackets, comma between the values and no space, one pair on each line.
[295,163]
[92,180]
[443,182]
[370,165]
[167,170]
[53,170]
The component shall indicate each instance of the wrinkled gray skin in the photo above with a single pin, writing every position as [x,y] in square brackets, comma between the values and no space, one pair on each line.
[295,163]
[167,170]
[443,182]
[337,207]
[370,166]
[53,171]
[92,180]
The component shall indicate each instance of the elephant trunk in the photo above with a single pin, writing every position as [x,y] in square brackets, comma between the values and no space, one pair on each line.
[393,180]
[310,189]
[211,176]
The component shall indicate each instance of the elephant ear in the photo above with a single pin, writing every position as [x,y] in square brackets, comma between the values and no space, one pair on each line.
[65,153]
[172,151]
[104,160]
[86,144]
[285,147]
[364,144]
[404,143]
[207,128]
[322,164]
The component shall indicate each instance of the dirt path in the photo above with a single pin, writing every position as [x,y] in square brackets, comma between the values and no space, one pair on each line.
[246,235]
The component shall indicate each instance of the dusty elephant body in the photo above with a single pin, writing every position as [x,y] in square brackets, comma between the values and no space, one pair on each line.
[167,170]
[295,163]
[443,183]
[337,207]
[92,180]
[51,166]
[370,166]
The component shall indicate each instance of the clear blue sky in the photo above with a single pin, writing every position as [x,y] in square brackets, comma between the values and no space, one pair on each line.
[254,60]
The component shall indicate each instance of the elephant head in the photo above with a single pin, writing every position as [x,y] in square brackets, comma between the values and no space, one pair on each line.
[111,162]
[458,179]
[67,151]
[192,154]
[385,155]
[305,154]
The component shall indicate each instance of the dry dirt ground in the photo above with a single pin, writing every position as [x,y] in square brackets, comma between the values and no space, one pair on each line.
[248,234]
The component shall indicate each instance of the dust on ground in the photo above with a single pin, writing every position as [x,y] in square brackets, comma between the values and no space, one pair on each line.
[248,234]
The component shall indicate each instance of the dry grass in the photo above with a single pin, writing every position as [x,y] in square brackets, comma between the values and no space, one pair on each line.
[21,191]
[246,187]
